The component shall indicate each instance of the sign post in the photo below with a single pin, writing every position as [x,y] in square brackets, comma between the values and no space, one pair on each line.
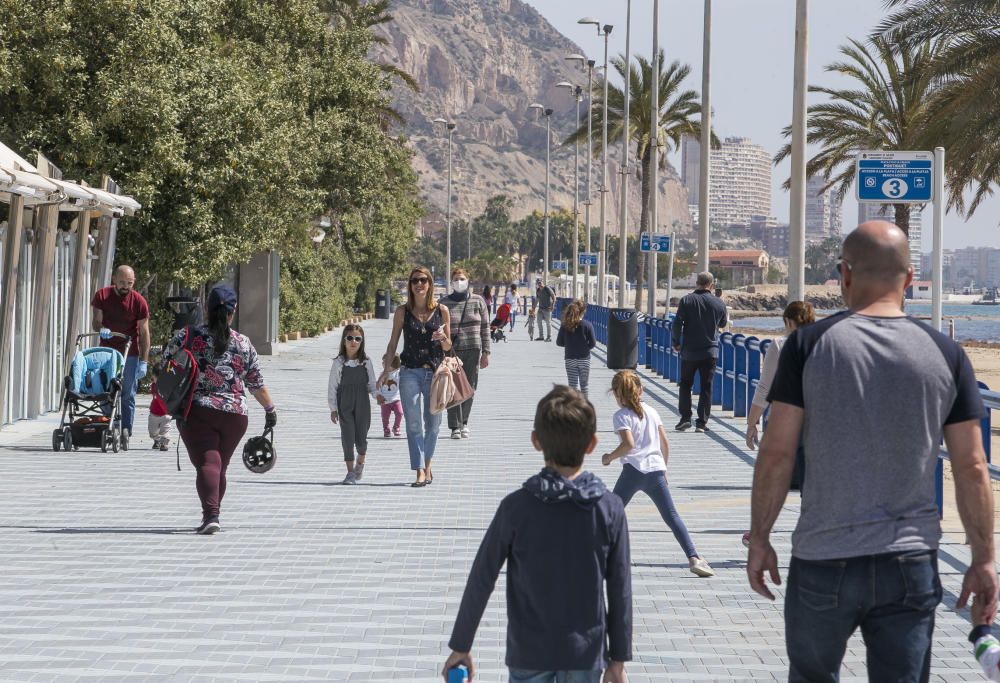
[890,177]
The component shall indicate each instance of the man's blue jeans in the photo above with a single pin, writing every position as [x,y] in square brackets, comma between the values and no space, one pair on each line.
[130,384]
[522,676]
[421,425]
[892,599]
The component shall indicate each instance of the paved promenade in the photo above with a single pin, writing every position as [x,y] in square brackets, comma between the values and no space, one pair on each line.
[102,579]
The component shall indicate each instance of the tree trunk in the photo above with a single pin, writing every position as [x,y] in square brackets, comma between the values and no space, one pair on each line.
[903,217]
[641,258]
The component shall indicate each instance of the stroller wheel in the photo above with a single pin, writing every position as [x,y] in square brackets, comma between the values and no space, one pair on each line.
[105,440]
[57,439]
[67,439]
[123,440]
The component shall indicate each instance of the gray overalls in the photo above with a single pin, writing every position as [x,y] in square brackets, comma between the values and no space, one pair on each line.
[354,409]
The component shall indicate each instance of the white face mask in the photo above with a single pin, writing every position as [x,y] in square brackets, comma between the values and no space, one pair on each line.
[460,286]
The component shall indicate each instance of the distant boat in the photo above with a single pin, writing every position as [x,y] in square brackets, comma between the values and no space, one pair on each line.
[989,298]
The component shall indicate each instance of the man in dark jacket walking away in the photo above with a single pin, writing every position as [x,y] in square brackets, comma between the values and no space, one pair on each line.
[695,335]
[564,538]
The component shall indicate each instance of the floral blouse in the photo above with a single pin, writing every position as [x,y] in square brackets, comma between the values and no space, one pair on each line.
[222,380]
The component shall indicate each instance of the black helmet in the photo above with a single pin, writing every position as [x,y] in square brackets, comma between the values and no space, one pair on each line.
[259,454]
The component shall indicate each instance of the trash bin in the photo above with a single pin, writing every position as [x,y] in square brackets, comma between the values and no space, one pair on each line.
[383,301]
[623,339]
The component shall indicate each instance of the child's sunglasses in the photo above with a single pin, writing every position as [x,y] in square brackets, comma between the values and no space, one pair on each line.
[352,338]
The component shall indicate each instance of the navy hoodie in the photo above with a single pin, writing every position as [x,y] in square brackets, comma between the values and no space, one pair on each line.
[561,540]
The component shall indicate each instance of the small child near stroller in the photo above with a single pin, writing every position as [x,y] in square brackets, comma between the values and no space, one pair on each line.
[501,319]
[159,418]
[531,323]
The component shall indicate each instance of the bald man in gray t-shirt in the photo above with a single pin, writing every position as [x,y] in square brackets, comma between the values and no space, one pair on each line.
[871,392]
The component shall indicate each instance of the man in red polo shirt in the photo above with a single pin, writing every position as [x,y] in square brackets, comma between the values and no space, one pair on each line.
[119,308]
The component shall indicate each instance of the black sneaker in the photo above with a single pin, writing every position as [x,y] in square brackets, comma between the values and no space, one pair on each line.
[701,428]
[683,425]
[209,527]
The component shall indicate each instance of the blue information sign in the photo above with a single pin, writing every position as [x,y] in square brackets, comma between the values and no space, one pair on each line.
[560,265]
[895,177]
[658,243]
[588,258]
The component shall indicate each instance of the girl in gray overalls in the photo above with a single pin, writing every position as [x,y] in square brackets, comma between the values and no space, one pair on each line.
[352,381]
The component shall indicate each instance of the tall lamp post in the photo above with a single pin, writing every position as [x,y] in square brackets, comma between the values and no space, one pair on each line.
[623,227]
[589,63]
[602,282]
[578,95]
[450,125]
[705,163]
[654,170]
[797,210]
[548,159]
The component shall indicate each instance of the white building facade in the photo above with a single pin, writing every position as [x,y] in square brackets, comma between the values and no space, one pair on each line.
[741,182]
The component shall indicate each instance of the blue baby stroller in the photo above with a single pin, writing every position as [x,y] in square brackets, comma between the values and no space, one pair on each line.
[92,399]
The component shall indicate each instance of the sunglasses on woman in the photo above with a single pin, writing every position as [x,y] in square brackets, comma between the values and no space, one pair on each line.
[418,281]
[354,339]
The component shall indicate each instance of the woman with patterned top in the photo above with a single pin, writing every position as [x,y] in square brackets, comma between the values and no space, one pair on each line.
[227,366]
[471,337]
[426,330]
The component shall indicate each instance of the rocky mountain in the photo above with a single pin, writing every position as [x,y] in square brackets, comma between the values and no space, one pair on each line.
[481,63]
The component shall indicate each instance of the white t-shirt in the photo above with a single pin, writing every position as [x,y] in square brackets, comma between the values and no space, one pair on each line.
[390,390]
[645,455]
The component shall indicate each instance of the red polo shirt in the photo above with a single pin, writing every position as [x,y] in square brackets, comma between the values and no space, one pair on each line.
[122,315]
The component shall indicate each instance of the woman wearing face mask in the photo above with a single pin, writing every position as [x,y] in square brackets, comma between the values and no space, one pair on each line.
[470,332]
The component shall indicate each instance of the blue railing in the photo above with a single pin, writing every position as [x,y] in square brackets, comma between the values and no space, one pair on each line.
[738,371]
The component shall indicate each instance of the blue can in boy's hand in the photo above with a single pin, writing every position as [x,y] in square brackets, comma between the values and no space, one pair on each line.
[458,674]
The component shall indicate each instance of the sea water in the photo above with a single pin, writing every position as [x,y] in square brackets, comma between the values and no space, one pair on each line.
[972,323]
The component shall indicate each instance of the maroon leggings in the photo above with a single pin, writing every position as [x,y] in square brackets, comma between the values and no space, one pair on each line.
[210,437]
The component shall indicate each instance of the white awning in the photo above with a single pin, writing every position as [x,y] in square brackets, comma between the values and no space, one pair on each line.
[119,202]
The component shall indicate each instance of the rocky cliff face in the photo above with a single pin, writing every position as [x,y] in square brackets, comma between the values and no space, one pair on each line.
[482,63]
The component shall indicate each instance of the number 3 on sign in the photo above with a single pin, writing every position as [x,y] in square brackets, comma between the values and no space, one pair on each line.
[894,188]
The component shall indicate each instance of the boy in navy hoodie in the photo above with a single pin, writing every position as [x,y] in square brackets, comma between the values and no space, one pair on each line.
[564,537]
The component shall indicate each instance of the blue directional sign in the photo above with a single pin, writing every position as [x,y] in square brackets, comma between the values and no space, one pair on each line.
[895,177]
[658,243]
[560,265]
[588,258]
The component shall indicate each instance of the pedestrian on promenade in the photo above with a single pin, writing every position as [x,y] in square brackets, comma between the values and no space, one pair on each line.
[488,298]
[513,300]
[564,538]
[119,308]
[695,335]
[531,323]
[545,299]
[644,452]
[351,385]
[159,419]
[388,389]
[470,336]
[227,364]
[871,392]
[577,336]
[426,330]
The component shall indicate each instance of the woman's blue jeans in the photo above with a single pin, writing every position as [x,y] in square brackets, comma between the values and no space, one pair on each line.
[421,425]
[654,485]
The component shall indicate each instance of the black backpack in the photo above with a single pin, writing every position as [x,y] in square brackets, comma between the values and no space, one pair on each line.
[178,379]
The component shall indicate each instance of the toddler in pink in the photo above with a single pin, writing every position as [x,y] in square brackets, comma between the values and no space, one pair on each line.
[389,391]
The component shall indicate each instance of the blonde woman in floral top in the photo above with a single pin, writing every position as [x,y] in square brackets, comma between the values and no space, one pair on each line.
[227,367]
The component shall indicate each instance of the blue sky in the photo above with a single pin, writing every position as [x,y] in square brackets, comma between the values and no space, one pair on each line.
[752,42]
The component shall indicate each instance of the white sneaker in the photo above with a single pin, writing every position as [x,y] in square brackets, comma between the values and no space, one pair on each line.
[351,478]
[465,432]
[701,568]
[456,433]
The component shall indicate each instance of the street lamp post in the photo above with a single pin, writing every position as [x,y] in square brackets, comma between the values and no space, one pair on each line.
[797,210]
[447,255]
[623,227]
[654,171]
[602,282]
[705,164]
[578,95]
[589,63]
[548,160]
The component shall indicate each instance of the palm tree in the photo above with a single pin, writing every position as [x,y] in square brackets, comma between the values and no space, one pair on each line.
[890,107]
[677,109]
[969,72]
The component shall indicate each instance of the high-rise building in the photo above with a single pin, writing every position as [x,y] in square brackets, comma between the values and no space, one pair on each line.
[868,211]
[824,217]
[691,166]
[741,182]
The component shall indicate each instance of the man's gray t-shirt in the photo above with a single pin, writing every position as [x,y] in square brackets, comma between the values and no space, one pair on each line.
[877,393]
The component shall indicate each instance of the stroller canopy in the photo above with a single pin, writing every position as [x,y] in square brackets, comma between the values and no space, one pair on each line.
[503,314]
[93,369]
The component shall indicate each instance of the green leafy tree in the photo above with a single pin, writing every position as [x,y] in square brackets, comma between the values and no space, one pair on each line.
[678,109]
[821,260]
[968,72]
[889,106]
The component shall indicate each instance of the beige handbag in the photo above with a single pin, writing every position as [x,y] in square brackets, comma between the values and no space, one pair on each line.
[449,386]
